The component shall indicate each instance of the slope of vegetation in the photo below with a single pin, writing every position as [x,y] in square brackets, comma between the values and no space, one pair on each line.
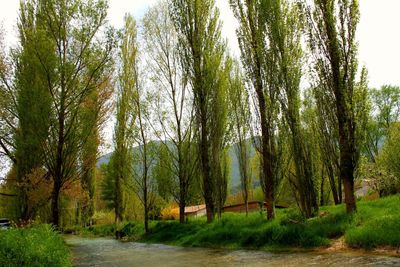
[36,246]
[377,223]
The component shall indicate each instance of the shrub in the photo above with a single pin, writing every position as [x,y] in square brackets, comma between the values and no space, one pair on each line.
[36,246]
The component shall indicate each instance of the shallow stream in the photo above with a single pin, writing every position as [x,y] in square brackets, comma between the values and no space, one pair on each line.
[109,253]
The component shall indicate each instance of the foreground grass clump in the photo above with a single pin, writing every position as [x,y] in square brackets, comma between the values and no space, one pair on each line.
[377,223]
[35,246]
[102,230]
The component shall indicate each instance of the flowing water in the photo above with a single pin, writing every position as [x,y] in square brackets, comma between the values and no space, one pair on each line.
[109,253]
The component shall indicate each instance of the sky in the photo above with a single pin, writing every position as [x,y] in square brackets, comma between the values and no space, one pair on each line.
[378,32]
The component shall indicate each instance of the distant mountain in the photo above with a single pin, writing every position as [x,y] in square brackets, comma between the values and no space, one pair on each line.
[234,183]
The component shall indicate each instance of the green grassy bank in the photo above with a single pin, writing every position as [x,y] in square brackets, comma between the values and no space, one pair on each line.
[36,246]
[376,223]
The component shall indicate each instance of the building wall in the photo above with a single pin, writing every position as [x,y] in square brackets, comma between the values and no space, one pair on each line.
[253,206]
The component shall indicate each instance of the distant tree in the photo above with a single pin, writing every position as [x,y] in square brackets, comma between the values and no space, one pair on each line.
[92,116]
[240,115]
[385,105]
[389,158]
[108,184]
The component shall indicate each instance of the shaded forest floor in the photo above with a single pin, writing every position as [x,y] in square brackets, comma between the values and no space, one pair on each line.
[375,227]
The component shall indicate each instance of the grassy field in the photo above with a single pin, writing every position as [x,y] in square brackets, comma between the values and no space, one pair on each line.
[376,223]
[36,246]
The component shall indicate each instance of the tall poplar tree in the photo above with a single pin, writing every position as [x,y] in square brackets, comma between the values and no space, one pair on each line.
[284,32]
[240,115]
[122,160]
[174,103]
[202,55]
[258,64]
[333,26]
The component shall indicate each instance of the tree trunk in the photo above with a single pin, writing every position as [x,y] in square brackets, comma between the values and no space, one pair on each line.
[321,202]
[340,191]
[247,206]
[210,213]
[268,174]
[347,174]
[181,213]
[146,220]
[182,201]
[332,184]
[55,205]
[208,186]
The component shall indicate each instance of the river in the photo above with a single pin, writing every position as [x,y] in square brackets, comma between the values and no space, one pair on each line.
[104,252]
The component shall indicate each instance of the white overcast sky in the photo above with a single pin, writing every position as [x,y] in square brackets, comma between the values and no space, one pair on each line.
[378,32]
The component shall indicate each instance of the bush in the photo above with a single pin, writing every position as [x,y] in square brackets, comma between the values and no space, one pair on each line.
[36,246]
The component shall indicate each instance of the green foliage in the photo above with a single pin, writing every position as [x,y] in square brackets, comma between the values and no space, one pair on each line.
[104,230]
[390,157]
[33,247]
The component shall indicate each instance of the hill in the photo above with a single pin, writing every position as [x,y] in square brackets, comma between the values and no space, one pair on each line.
[234,184]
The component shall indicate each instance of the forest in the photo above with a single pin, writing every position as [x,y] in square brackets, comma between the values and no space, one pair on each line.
[291,122]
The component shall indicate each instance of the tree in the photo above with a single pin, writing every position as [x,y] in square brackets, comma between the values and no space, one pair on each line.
[202,56]
[284,32]
[122,160]
[174,104]
[257,61]
[333,26]
[144,155]
[385,110]
[92,116]
[389,157]
[240,116]
[74,65]
[328,139]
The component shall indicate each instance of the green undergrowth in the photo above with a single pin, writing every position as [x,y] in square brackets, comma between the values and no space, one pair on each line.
[254,231]
[376,223]
[36,246]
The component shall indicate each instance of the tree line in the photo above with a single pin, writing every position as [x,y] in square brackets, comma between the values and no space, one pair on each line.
[171,77]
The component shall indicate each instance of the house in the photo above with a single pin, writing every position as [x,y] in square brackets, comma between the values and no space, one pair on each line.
[192,211]
[196,211]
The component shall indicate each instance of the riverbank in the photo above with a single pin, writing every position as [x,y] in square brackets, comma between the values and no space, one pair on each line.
[38,245]
[376,225]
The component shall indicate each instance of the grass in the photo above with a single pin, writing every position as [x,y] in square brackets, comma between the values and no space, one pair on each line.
[36,246]
[254,231]
[101,230]
[376,223]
